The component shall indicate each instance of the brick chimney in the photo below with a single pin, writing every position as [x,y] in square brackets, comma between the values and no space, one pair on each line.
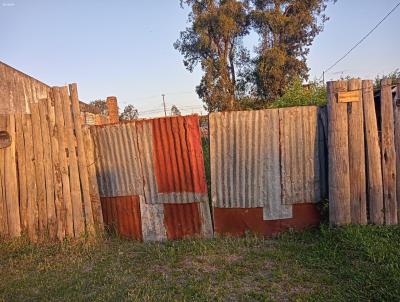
[112,106]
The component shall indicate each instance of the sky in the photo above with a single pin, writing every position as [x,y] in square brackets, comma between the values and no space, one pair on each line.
[125,48]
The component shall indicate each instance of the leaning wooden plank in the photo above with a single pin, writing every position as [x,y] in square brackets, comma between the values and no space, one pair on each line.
[93,186]
[22,181]
[388,153]
[76,196]
[3,203]
[358,198]
[63,161]
[38,149]
[338,149]
[396,108]
[374,168]
[56,170]
[48,168]
[10,167]
[82,163]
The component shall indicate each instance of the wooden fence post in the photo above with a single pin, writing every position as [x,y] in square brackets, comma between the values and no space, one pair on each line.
[374,168]
[339,175]
[388,153]
[82,163]
[358,198]
[396,113]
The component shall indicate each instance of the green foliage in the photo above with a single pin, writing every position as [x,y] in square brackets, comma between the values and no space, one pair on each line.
[298,95]
[175,111]
[130,113]
[232,78]
[354,263]
[100,104]
[394,75]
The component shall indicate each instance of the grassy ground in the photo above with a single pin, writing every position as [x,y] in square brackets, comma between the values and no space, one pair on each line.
[353,263]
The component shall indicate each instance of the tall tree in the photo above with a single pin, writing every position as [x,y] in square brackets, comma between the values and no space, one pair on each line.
[130,113]
[101,105]
[175,111]
[286,28]
[214,39]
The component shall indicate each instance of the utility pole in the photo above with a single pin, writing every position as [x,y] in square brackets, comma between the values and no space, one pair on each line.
[163,100]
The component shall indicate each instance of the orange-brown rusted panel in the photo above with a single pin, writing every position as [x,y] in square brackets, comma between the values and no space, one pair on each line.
[177,155]
[122,214]
[182,220]
[237,221]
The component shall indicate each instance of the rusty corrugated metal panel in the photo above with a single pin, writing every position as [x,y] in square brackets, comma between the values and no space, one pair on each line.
[182,220]
[299,154]
[245,170]
[117,160]
[122,214]
[237,221]
[150,157]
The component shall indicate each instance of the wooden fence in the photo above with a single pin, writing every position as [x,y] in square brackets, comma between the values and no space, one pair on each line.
[363,153]
[46,187]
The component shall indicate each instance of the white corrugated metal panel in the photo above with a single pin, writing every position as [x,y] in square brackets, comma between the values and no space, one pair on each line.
[245,171]
[152,216]
[299,154]
[117,160]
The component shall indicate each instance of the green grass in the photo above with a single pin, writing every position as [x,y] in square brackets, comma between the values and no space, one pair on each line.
[348,264]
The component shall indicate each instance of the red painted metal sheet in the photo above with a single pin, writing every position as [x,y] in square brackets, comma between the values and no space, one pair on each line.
[177,155]
[182,220]
[122,214]
[236,221]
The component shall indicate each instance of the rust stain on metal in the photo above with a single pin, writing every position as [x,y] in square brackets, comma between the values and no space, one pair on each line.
[237,222]
[122,214]
[177,155]
[182,220]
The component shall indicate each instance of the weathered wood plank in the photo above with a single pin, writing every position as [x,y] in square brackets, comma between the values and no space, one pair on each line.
[396,113]
[374,167]
[56,173]
[82,163]
[358,198]
[62,146]
[3,202]
[339,174]
[388,153]
[40,174]
[74,180]
[93,185]
[48,168]
[21,160]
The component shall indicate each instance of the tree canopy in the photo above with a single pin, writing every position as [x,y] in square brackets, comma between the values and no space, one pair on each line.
[175,111]
[130,113]
[232,72]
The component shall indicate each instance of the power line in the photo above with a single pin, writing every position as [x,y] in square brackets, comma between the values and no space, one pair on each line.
[363,39]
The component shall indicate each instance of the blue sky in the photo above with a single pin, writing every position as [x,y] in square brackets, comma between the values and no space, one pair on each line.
[124,48]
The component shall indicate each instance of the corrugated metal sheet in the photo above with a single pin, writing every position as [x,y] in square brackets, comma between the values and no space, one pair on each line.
[122,214]
[237,222]
[245,169]
[153,227]
[182,220]
[299,154]
[117,160]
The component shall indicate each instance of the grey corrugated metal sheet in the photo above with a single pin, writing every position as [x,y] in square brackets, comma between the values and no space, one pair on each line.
[300,154]
[245,172]
[117,160]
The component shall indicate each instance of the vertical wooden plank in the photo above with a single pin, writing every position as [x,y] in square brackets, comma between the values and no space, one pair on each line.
[374,168]
[48,168]
[93,185]
[32,205]
[76,196]
[59,203]
[388,153]
[339,175]
[39,167]
[82,163]
[396,113]
[21,160]
[3,202]
[63,161]
[358,198]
